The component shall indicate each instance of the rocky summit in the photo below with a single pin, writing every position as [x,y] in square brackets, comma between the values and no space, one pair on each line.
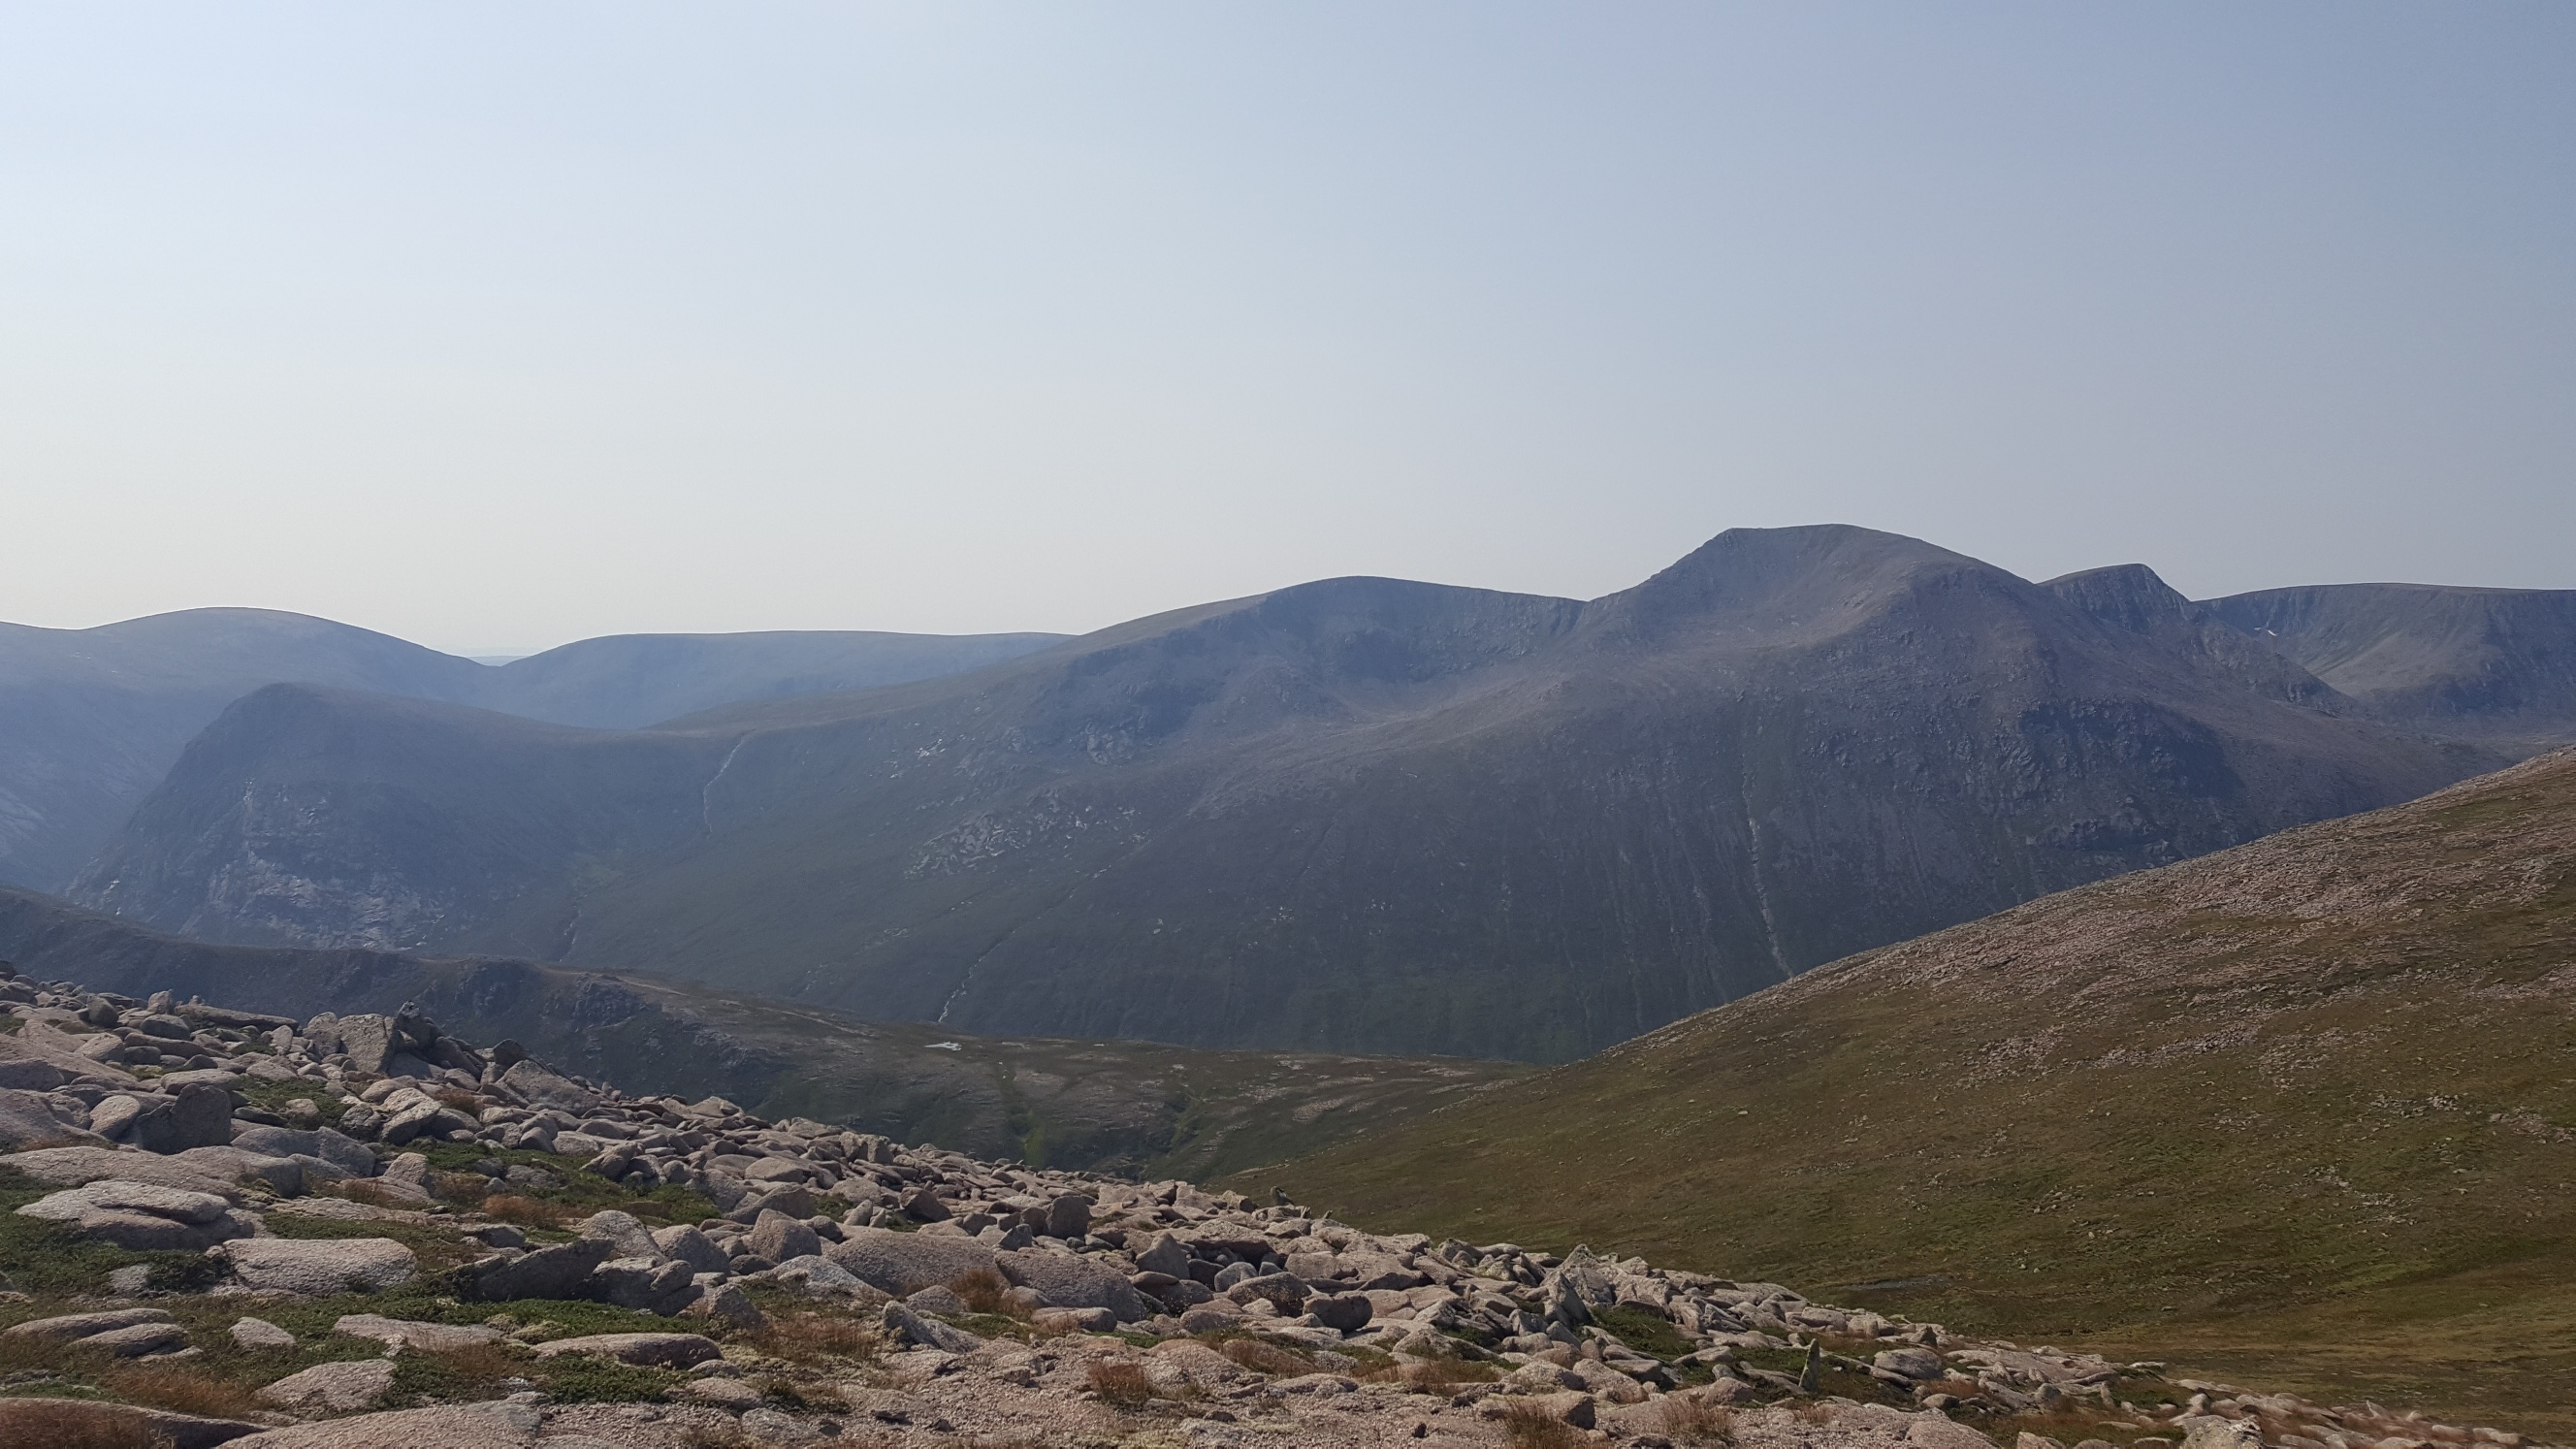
[357,1231]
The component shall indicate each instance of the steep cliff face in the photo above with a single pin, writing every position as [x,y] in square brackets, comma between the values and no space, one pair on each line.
[1360,814]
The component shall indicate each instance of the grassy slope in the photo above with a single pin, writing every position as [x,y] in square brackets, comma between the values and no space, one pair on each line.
[2299,1112]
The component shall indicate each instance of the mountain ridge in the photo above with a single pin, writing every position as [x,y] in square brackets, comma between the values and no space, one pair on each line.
[1373,815]
[92,719]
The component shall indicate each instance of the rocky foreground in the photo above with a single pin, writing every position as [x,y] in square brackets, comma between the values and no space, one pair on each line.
[224,1227]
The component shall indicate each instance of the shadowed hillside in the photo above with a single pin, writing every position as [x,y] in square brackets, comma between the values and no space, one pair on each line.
[1098,1106]
[2306,1107]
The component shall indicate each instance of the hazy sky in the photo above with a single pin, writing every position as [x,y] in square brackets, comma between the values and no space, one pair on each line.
[501,325]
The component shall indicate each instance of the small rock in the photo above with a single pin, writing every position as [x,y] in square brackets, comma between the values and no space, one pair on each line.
[723,1393]
[909,1327]
[340,1387]
[69,1326]
[138,1340]
[259,1333]
[404,1333]
[942,1301]
[729,1304]
[659,1350]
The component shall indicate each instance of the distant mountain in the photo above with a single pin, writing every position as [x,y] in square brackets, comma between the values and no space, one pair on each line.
[2488,664]
[2306,1108]
[91,719]
[1099,1106]
[623,681]
[1357,815]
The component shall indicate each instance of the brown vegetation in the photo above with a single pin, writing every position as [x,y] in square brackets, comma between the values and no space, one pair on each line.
[1266,1358]
[63,1424]
[1694,1419]
[527,1212]
[1531,1426]
[180,1388]
[1120,1381]
[986,1291]
[810,1338]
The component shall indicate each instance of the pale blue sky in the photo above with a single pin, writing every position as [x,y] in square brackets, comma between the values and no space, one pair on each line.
[500,325]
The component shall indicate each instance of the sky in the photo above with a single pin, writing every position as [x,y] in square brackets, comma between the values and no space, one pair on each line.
[495,326]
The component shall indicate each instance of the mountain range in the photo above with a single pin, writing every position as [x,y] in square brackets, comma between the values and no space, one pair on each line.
[1360,815]
[92,719]
[2306,1108]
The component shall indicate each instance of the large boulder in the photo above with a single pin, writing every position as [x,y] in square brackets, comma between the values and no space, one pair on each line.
[204,1169]
[368,1039]
[72,1327]
[659,1350]
[145,1217]
[561,1271]
[318,1266]
[340,1150]
[905,1263]
[632,1238]
[1342,1312]
[543,1088]
[199,1115]
[38,1058]
[659,1287]
[43,1119]
[686,1244]
[905,1326]
[400,1333]
[778,1237]
[340,1387]
[1166,1256]
[1067,1281]
[1068,1217]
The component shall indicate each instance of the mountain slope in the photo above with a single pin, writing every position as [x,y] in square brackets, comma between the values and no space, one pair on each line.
[92,719]
[624,681]
[2307,1105]
[1359,815]
[1091,1105]
[2492,664]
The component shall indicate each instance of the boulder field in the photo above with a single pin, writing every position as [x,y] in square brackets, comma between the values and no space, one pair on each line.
[345,1232]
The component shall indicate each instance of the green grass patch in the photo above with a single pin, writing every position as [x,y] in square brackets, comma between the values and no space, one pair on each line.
[273,1097]
[1644,1330]
[585,1379]
[576,1189]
